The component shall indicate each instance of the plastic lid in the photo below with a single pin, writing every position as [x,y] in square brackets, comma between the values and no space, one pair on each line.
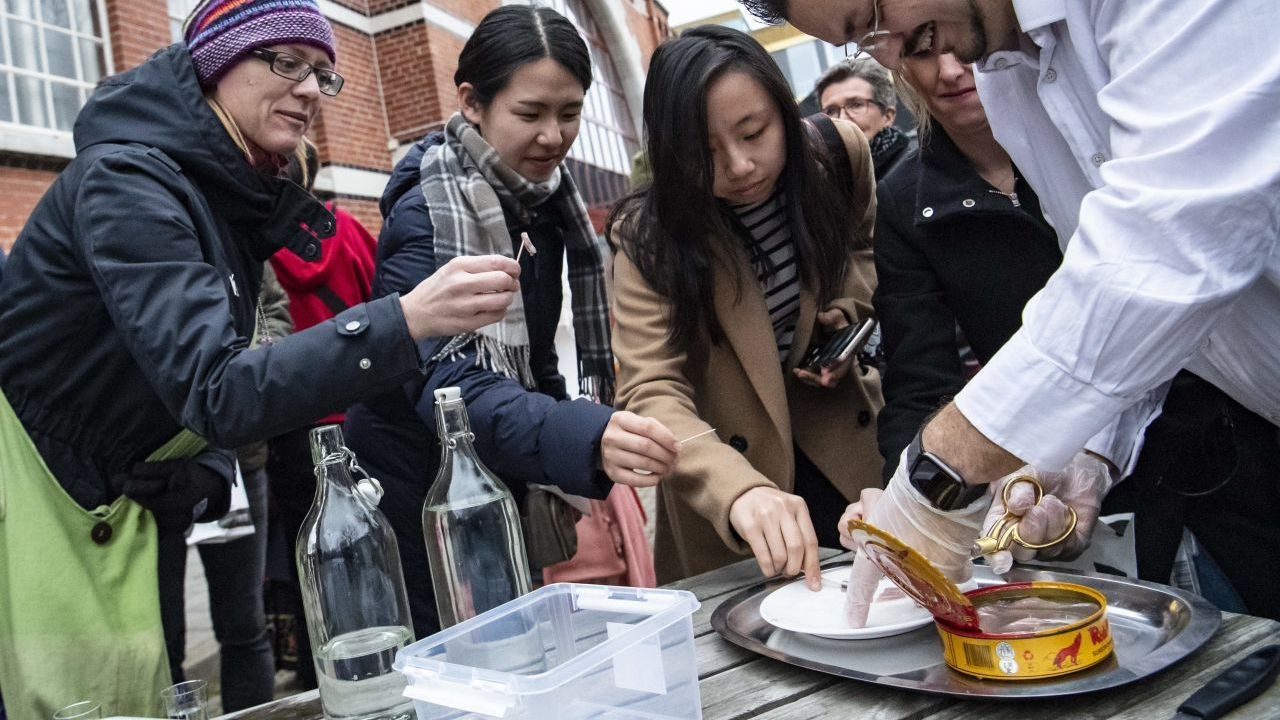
[915,576]
[448,394]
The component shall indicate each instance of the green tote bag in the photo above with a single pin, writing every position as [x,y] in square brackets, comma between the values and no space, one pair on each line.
[79,597]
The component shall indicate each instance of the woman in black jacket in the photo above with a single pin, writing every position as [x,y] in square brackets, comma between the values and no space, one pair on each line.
[125,317]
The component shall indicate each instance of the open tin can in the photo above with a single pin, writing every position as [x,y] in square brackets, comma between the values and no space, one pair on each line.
[1045,629]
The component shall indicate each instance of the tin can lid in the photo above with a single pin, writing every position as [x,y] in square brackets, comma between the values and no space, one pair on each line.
[915,576]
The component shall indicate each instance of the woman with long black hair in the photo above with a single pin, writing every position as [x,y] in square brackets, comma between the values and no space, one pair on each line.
[751,243]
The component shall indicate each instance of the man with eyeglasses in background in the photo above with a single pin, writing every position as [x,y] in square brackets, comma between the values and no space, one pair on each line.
[1150,131]
[861,91]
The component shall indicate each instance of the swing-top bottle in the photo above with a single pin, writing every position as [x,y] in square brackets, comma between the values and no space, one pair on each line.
[352,589]
[475,545]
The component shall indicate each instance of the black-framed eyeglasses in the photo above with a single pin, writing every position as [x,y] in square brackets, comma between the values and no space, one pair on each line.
[296,69]
[851,107]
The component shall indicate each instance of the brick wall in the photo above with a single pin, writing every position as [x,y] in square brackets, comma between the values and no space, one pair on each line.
[352,127]
[407,57]
[23,188]
[138,28]
[473,11]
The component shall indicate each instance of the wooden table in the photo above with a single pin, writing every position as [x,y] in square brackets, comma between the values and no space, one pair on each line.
[739,684]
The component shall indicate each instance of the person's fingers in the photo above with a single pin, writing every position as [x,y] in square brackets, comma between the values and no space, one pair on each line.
[490,281]
[1022,496]
[868,499]
[1047,521]
[1000,562]
[634,461]
[807,377]
[642,445]
[760,548]
[834,319]
[810,563]
[485,263]
[863,578]
[632,477]
[793,545]
[852,512]
[857,511]
[771,528]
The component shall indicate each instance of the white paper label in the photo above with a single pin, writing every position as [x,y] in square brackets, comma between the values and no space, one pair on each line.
[640,666]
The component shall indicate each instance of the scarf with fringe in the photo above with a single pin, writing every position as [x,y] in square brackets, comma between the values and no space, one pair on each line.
[467,185]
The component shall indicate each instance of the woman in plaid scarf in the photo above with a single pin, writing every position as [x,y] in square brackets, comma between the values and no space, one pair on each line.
[493,174]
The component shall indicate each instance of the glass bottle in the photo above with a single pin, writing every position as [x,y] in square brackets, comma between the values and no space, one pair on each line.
[475,546]
[353,589]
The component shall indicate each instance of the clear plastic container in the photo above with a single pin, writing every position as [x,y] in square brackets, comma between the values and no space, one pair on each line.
[565,651]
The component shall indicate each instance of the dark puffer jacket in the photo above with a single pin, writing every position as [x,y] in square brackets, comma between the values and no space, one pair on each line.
[128,302]
[524,437]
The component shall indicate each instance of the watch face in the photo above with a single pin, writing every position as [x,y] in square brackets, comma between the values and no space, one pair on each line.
[940,485]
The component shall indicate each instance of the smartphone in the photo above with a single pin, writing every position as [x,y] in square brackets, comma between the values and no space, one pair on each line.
[839,347]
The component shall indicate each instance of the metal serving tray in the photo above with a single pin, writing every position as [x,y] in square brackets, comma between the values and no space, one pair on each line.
[1154,627]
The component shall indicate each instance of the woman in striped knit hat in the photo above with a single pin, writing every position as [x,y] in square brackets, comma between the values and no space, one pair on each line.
[126,314]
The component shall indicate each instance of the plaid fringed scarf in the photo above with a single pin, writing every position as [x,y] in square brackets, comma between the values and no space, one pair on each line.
[466,185]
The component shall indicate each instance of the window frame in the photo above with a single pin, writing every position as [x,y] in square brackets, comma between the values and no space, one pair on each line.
[16,135]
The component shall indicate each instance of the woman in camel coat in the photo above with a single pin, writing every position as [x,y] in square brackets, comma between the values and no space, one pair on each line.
[723,280]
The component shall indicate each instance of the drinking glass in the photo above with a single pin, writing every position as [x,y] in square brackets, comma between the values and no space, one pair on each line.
[84,710]
[186,700]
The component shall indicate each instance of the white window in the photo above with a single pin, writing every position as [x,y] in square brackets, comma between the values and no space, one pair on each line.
[51,56]
[178,11]
[607,138]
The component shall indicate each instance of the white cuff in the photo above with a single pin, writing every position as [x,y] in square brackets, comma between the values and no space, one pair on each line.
[1029,406]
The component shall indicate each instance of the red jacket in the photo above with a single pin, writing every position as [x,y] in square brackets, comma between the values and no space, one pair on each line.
[341,278]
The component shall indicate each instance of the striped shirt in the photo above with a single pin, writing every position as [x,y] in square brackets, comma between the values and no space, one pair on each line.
[770,237]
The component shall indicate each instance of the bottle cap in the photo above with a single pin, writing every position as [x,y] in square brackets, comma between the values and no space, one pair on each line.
[448,394]
[915,576]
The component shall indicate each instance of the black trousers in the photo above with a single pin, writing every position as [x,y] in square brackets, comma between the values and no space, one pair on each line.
[1212,466]
[825,502]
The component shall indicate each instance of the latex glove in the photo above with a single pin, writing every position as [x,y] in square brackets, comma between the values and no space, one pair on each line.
[177,492]
[1082,484]
[944,538]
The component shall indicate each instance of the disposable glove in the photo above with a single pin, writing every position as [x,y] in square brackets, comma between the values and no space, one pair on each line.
[944,538]
[177,492]
[1081,485]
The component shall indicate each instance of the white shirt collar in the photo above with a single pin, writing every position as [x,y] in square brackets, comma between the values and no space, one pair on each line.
[1034,17]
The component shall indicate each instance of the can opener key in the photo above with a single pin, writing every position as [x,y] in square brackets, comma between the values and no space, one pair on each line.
[1239,684]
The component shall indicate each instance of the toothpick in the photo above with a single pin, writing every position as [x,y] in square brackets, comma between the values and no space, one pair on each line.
[641,471]
[696,436]
[526,244]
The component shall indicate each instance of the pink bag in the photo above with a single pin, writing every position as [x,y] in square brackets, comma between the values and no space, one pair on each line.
[612,547]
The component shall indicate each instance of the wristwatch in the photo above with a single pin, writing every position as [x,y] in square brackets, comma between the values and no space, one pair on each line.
[941,485]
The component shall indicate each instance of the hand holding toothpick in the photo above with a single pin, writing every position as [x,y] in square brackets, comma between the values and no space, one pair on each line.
[637,451]
[679,443]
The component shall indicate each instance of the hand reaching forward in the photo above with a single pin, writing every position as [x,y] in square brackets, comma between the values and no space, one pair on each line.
[465,294]
[632,443]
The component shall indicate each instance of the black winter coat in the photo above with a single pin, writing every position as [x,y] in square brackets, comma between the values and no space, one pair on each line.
[950,251]
[128,302]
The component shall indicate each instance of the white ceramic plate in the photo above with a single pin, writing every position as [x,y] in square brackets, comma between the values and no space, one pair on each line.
[796,608]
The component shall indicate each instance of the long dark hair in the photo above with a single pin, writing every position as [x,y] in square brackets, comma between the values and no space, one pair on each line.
[513,36]
[669,227]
